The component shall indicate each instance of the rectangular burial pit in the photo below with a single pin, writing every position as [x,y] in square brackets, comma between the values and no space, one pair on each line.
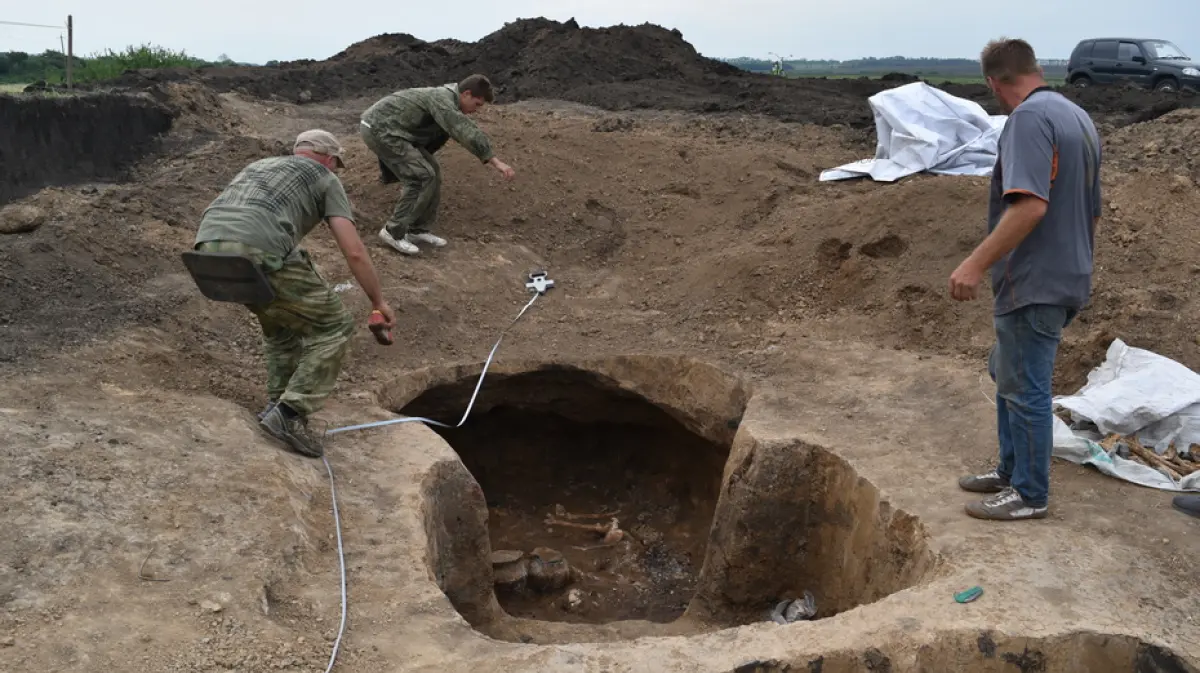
[704,537]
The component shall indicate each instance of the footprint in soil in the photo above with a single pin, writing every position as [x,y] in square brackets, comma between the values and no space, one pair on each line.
[833,251]
[888,246]
[912,293]
[1163,300]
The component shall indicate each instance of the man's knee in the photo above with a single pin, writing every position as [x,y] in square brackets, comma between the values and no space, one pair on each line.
[1006,365]
[419,191]
[1019,384]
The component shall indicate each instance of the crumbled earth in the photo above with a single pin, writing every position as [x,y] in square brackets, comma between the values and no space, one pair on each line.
[614,68]
[131,453]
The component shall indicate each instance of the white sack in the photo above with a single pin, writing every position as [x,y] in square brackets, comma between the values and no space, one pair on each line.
[921,128]
[1133,392]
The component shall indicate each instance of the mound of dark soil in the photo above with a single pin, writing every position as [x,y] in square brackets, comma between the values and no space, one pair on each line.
[1130,104]
[615,68]
[55,140]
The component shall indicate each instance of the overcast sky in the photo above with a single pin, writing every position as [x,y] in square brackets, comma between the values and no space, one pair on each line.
[261,30]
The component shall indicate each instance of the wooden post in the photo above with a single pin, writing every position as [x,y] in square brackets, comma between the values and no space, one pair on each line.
[70,48]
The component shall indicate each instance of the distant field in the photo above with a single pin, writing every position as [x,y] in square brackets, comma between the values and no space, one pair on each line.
[935,70]
[12,88]
[935,78]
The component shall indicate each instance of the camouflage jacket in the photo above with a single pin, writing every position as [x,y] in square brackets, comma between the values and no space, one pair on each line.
[427,117]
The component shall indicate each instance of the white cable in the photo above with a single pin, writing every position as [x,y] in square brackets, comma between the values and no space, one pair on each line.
[333,489]
[984,392]
[470,405]
[341,562]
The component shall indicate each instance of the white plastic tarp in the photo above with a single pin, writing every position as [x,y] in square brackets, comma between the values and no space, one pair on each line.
[1133,392]
[921,128]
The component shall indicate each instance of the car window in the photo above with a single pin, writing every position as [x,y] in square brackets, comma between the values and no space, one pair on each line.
[1164,50]
[1084,50]
[1106,49]
[1127,51]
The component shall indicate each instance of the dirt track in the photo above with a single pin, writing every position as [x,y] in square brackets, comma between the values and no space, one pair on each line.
[128,397]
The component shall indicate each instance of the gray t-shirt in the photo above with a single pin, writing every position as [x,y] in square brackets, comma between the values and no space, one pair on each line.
[1050,150]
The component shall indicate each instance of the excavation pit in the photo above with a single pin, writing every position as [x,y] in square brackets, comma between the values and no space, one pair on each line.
[554,450]
[630,494]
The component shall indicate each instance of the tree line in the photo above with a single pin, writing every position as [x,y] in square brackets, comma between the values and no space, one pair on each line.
[50,66]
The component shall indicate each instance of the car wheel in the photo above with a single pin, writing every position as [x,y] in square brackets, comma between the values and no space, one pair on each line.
[1082,81]
[1168,85]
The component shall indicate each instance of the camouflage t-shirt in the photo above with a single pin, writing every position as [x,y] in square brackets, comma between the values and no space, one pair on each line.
[425,117]
[273,204]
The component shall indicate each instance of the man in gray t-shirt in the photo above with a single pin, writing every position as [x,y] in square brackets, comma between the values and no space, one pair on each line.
[1042,213]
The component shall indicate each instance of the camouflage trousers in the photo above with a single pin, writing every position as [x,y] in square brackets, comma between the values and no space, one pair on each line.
[306,329]
[420,181]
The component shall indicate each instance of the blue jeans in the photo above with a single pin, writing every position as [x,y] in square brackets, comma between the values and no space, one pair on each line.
[1022,365]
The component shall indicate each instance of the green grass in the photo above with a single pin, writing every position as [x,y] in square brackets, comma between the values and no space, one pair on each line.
[99,67]
[110,65]
[12,88]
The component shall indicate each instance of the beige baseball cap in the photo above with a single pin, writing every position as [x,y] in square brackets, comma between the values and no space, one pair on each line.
[321,142]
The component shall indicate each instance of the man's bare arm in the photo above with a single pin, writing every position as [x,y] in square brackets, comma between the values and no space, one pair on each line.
[360,265]
[1018,220]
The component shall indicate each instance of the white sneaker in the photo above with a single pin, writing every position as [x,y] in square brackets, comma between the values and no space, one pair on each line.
[401,245]
[426,237]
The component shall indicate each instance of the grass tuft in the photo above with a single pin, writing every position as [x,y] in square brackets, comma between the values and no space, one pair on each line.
[111,64]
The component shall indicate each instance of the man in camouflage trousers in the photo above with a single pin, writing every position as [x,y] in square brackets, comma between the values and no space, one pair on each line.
[404,130]
[263,214]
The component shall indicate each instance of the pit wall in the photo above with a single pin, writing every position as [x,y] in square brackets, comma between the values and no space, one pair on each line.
[793,517]
[56,140]
[704,399]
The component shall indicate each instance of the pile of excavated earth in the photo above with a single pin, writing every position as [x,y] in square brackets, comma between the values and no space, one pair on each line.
[749,391]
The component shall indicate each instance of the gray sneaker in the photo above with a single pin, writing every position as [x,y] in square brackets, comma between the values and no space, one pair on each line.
[991,482]
[1007,505]
[294,432]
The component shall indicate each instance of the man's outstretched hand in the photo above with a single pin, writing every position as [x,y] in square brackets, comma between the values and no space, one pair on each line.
[504,168]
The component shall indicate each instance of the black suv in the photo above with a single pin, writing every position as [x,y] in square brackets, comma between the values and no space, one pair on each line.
[1155,64]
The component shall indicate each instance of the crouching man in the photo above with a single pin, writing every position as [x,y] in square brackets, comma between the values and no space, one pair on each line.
[404,130]
[264,214]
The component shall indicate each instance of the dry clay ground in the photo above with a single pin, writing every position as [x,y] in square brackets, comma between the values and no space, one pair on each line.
[150,526]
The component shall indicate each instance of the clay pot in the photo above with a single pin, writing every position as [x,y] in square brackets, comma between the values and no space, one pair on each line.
[508,571]
[548,570]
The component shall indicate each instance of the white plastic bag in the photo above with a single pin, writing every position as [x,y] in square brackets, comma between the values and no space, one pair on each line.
[921,128]
[1140,393]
